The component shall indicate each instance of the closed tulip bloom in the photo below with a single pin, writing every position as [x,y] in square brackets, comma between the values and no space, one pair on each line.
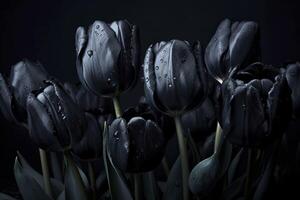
[256,105]
[175,77]
[90,146]
[137,145]
[55,121]
[293,78]
[108,57]
[233,45]
[25,77]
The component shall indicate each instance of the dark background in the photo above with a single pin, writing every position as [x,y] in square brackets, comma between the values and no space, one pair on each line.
[44,31]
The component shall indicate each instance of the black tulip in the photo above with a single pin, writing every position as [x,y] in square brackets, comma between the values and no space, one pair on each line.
[90,146]
[55,121]
[200,122]
[233,45]
[88,101]
[293,79]
[175,77]
[256,105]
[108,57]
[25,77]
[136,146]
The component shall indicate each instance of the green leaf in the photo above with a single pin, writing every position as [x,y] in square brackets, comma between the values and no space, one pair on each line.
[74,186]
[150,186]
[23,171]
[119,190]
[174,183]
[6,197]
[83,178]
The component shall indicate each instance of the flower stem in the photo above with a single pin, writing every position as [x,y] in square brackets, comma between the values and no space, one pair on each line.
[92,180]
[217,137]
[45,171]
[165,166]
[137,186]
[183,156]
[248,177]
[117,106]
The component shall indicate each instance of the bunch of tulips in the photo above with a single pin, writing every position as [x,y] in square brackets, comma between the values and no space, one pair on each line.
[214,123]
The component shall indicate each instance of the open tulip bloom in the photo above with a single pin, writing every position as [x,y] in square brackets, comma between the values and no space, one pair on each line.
[234,119]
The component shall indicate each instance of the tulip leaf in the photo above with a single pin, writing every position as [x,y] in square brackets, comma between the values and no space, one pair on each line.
[233,166]
[56,166]
[74,186]
[174,183]
[234,189]
[116,181]
[83,178]
[23,171]
[6,197]
[150,186]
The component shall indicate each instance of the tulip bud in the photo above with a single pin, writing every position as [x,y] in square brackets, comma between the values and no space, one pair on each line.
[25,77]
[136,146]
[175,78]
[233,45]
[108,57]
[54,120]
[90,146]
[256,105]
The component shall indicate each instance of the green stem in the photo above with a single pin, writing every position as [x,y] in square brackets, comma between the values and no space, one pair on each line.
[248,177]
[217,137]
[117,106]
[184,157]
[137,186]
[92,180]
[45,171]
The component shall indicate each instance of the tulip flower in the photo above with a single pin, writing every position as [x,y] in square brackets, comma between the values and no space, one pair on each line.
[90,146]
[108,57]
[256,105]
[292,76]
[137,145]
[175,82]
[25,77]
[55,121]
[233,45]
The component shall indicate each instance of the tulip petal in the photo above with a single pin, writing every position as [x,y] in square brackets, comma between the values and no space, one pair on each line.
[6,100]
[292,75]
[40,125]
[80,39]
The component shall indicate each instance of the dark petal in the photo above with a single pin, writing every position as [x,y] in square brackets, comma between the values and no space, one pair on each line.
[127,70]
[150,81]
[216,50]
[100,60]
[158,46]
[26,77]
[118,143]
[80,39]
[292,76]
[201,121]
[135,47]
[69,113]
[6,100]
[177,81]
[279,106]
[90,146]
[40,124]
[72,90]
[241,42]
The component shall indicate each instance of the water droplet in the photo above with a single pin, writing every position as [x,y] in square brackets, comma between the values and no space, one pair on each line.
[147,79]
[174,78]
[108,80]
[244,107]
[157,67]
[97,26]
[90,53]
[116,135]
[166,75]
[161,60]
[64,117]
[170,85]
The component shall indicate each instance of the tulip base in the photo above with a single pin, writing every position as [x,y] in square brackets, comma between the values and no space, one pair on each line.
[117,107]
[183,157]
[45,170]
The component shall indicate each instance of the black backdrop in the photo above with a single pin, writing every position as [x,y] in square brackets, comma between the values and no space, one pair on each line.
[44,31]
